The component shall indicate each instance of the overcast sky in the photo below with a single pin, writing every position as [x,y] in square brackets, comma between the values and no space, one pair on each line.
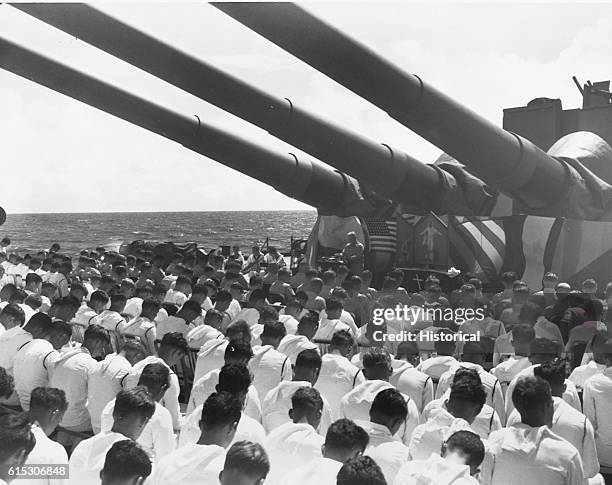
[59,155]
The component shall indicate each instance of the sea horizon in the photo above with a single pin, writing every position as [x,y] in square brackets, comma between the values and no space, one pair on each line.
[74,231]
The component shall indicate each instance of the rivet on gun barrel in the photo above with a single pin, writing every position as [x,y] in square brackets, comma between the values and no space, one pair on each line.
[384,169]
[539,183]
[305,180]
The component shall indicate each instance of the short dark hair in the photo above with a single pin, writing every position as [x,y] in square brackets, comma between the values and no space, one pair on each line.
[376,357]
[126,459]
[61,328]
[238,327]
[361,470]
[307,398]
[192,306]
[333,305]
[342,338]
[238,349]
[310,318]
[257,295]
[175,340]
[468,390]
[470,444]
[234,378]
[465,373]
[15,434]
[274,330]
[33,278]
[150,305]
[97,332]
[48,398]
[390,402]
[268,312]
[523,333]
[154,376]
[99,296]
[247,458]
[530,393]
[223,295]
[344,434]
[221,409]
[7,383]
[134,401]
[15,311]
[552,372]
[309,359]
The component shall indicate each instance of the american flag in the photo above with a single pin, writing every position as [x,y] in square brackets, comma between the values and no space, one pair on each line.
[382,234]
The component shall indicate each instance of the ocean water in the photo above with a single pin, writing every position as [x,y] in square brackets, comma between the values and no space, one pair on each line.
[74,232]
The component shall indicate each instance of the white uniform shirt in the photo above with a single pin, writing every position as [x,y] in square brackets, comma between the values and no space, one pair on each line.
[428,437]
[204,387]
[485,423]
[570,395]
[110,320]
[157,437]
[574,427]
[190,465]
[173,324]
[248,429]
[249,315]
[289,446]
[277,403]
[201,334]
[290,323]
[170,399]
[356,405]
[45,452]
[415,384]
[582,373]
[336,378]
[530,456]
[385,450]
[326,331]
[269,367]
[434,471]
[320,471]
[104,384]
[10,342]
[71,374]
[210,357]
[33,367]
[346,318]
[87,459]
[145,330]
[434,367]
[492,386]
[598,408]
[292,345]
[133,307]
[508,369]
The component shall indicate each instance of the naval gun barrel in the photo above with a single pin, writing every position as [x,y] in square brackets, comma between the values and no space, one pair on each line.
[310,182]
[502,159]
[386,170]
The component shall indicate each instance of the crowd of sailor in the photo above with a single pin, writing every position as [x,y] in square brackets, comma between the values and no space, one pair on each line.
[235,370]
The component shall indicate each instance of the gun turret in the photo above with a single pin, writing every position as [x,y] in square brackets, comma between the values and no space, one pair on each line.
[540,184]
[308,181]
[386,170]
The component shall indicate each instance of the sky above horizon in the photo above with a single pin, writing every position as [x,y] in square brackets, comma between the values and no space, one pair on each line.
[60,155]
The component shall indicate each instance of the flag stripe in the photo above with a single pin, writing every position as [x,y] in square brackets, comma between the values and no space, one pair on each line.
[498,243]
[382,234]
[492,255]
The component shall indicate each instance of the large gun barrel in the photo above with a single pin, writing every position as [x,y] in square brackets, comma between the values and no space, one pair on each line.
[386,170]
[500,158]
[310,182]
